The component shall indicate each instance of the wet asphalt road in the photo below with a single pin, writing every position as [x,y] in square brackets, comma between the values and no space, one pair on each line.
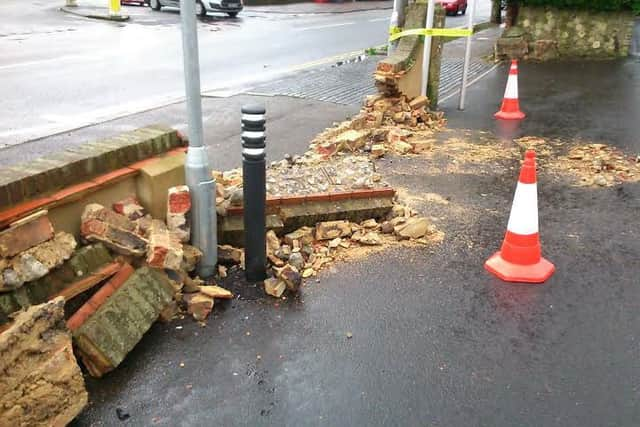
[436,340]
[60,71]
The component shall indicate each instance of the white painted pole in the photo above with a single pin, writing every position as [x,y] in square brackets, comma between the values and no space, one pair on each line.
[426,58]
[467,57]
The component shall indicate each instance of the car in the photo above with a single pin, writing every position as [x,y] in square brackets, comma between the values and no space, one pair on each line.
[453,7]
[138,2]
[230,7]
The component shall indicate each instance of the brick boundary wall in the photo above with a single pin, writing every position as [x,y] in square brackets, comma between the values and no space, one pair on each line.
[92,163]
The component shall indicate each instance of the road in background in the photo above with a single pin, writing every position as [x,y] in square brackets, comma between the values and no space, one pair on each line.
[59,71]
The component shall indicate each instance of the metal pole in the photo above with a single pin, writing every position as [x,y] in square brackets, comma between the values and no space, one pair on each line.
[467,57]
[397,20]
[197,171]
[254,192]
[426,54]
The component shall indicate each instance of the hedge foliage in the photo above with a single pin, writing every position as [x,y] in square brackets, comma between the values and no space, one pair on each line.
[596,5]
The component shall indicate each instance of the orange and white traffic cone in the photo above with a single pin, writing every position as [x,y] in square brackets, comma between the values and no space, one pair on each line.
[510,109]
[520,259]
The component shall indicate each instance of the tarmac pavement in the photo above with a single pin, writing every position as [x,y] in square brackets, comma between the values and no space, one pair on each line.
[436,339]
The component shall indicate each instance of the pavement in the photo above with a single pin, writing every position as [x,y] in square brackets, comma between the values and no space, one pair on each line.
[435,339]
[82,71]
[301,103]
[95,12]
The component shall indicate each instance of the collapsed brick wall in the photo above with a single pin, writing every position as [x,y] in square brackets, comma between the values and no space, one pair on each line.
[41,383]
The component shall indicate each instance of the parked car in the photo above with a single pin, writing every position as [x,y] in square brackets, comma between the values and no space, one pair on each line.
[230,7]
[138,2]
[453,7]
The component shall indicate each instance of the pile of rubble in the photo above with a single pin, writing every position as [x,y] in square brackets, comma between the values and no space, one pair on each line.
[593,164]
[600,164]
[29,249]
[303,253]
[384,124]
[141,240]
[340,158]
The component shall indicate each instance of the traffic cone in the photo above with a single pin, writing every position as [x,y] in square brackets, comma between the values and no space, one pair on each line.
[519,259]
[510,109]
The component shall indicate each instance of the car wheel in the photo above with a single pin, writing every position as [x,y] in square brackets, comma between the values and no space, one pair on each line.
[200,10]
[232,14]
[464,11]
[155,4]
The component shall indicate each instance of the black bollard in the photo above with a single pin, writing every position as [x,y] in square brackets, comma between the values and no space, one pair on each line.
[254,192]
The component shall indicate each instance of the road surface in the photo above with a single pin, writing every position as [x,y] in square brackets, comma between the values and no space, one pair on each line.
[59,71]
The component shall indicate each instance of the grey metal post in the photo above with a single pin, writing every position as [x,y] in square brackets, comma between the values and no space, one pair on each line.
[467,57]
[426,58]
[397,20]
[254,192]
[197,171]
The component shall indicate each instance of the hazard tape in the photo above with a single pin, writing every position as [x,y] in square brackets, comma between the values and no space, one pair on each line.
[438,32]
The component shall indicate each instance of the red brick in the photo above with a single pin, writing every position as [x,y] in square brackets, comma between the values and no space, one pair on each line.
[23,236]
[89,281]
[75,191]
[344,195]
[114,176]
[293,200]
[24,209]
[235,210]
[94,303]
[274,201]
[164,249]
[178,212]
[318,197]
[130,207]
[179,200]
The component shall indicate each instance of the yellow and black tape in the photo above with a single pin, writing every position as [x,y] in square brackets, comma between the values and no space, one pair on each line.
[395,33]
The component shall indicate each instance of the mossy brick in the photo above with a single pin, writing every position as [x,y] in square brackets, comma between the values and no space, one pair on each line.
[8,305]
[72,167]
[119,324]
[88,258]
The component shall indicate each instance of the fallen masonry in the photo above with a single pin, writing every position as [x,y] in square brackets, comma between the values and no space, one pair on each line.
[41,383]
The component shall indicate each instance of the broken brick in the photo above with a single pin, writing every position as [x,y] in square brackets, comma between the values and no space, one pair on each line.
[130,207]
[190,257]
[274,287]
[164,249]
[99,224]
[116,281]
[329,230]
[42,384]
[418,102]
[290,276]
[216,292]
[303,235]
[25,234]
[106,337]
[227,254]
[179,212]
[199,305]
[36,262]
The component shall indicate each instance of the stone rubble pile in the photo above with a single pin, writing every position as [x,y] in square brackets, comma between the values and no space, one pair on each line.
[304,252]
[602,165]
[29,249]
[384,124]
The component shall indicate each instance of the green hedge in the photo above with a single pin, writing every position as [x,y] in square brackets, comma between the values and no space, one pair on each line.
[597,5]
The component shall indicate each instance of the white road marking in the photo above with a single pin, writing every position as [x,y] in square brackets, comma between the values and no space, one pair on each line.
[44,61]
[321,27]
[474,81]
[378,19]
